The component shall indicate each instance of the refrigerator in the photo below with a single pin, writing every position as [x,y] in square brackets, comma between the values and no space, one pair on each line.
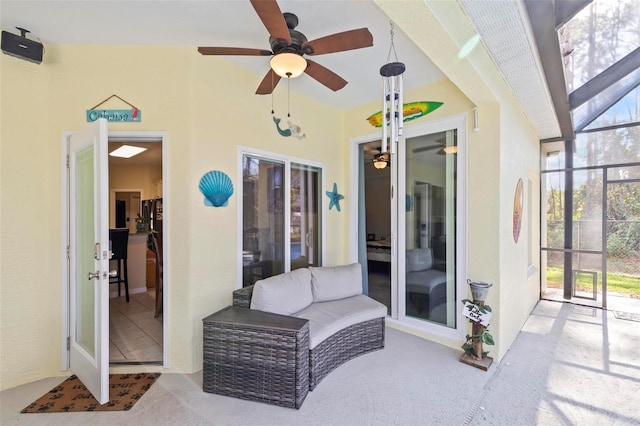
[152,210]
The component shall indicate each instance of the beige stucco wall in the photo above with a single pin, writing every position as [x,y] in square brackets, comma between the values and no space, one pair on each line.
[143,177]
[29,226]
[504,150]
[207,107]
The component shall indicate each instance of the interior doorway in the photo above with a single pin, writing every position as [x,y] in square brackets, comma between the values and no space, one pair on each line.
[376,174]
[126,209]
[136,328]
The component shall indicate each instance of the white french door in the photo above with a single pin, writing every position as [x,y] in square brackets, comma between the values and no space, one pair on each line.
[89,258]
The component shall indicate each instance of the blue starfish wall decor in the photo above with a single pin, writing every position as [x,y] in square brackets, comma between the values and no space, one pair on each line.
[334,197]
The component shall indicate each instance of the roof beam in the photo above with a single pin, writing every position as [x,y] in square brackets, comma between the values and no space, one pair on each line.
[604,107]
[567,9]
[543,24]
[606,78]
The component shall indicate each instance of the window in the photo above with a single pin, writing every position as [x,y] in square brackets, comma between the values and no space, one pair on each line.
[281,216]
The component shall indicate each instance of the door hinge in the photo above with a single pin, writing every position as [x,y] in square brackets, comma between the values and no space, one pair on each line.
[68,161]
[68,343]
[68,252]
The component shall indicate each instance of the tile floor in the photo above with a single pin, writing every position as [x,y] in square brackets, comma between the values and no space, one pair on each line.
[134,334]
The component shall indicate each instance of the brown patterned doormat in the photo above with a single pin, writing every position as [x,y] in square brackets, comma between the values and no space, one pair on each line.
[72,396]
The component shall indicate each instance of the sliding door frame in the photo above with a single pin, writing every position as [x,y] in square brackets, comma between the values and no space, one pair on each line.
[287,161]
[398,189]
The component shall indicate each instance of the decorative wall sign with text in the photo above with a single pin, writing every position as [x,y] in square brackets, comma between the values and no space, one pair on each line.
[472,312]
[115,115]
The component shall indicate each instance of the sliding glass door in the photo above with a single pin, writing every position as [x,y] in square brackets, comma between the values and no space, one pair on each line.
[281,220]
[305,215]
[411,219]
[429,234]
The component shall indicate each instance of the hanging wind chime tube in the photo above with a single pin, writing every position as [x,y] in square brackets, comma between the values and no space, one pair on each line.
[385,90]
[392,100]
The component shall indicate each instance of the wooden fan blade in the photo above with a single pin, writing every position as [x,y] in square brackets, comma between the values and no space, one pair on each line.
[325,76]
[271,16]
[233,51]
[339,42]
[269,82]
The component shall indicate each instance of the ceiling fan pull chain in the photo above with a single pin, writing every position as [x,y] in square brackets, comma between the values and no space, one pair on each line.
[288,95]
[272,110]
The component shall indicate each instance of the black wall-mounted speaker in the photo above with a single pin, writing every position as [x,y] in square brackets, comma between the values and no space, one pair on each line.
[21,47]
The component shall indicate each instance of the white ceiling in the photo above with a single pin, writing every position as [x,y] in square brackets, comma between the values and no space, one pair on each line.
[234,23]
[231,23]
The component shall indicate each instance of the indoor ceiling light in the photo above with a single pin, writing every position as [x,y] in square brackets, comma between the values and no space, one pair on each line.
[288,65]
[450,149]
[127,151]
[379,164]
[380,161]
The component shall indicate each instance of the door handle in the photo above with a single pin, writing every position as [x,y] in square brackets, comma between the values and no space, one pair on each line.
[93,275]
[113,273]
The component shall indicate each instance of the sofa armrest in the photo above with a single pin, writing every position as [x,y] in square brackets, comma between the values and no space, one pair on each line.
[242,297]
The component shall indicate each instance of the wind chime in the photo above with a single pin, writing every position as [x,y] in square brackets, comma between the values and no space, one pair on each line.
[391,74]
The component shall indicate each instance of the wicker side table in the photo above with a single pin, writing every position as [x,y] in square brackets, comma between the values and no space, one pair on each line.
[256,355]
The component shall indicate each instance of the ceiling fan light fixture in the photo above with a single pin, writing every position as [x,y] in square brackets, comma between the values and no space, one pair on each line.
[288,65]
[380,161]
[379,164]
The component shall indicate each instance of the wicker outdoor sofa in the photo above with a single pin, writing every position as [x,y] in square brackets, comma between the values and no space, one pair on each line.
[343,322]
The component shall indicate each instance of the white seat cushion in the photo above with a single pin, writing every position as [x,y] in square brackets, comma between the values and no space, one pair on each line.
[327,318]
[336,282]
[283,294]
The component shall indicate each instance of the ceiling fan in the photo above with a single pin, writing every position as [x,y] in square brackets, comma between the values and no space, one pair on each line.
[288,46]
[375,157]
[440,146]
[380,161]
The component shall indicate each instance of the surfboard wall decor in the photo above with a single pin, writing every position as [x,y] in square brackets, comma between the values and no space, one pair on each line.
[410,111]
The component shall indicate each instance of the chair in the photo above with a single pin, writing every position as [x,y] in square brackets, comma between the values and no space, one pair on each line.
[157,248]
[119,239]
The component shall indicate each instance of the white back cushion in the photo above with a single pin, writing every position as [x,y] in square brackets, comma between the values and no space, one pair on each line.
[419,259]
[283,294]
[336,282]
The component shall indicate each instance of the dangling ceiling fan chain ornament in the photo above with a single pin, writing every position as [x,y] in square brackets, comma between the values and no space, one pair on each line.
[289,46]
[293,130]
[392,106]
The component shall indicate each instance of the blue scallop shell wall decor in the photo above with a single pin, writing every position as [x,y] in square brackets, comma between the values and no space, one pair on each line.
[217,188]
